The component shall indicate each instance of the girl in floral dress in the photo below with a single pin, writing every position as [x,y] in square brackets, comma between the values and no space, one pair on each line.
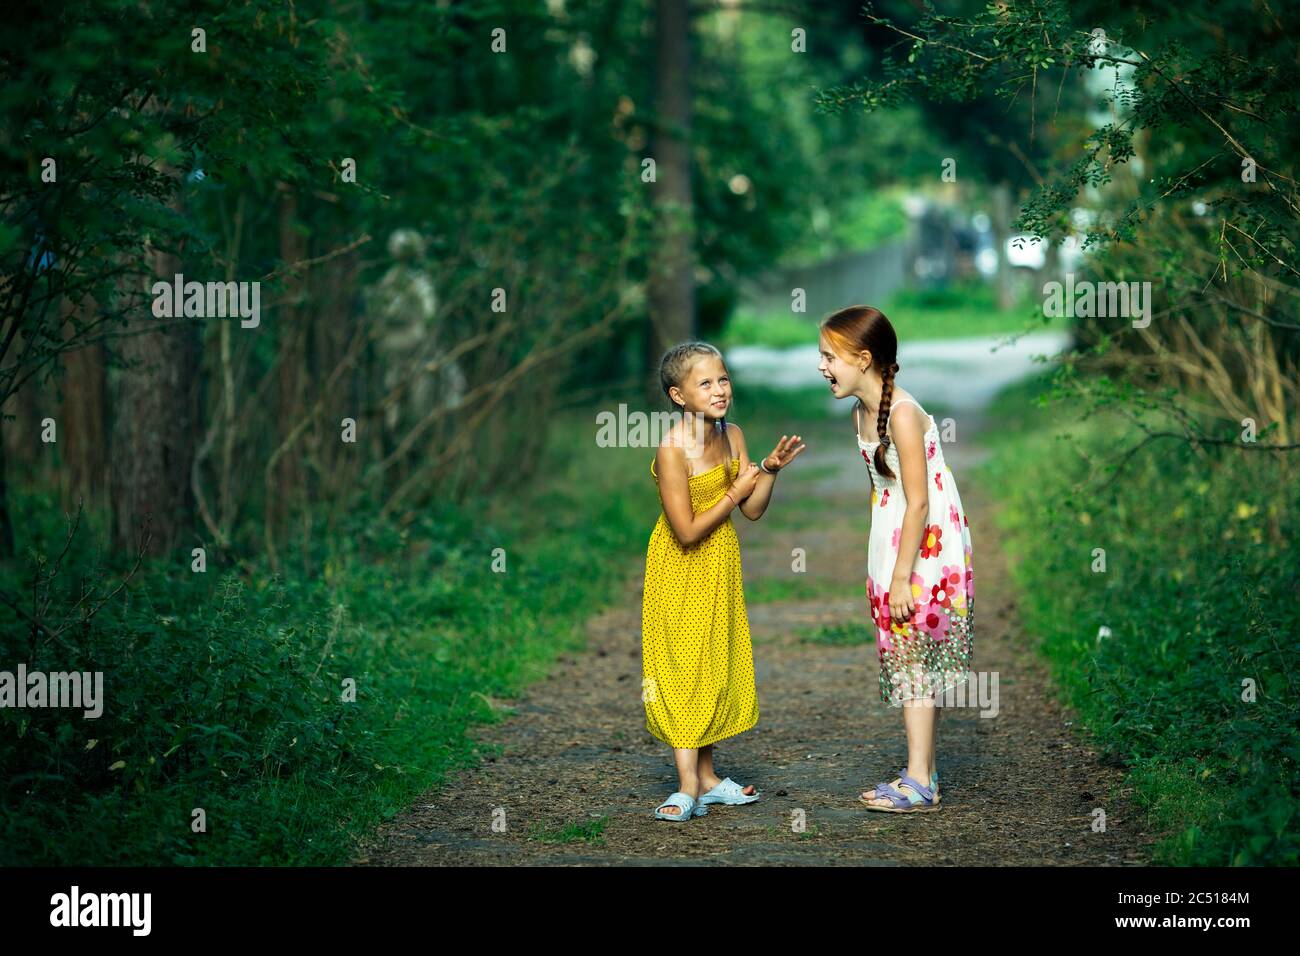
[919,575]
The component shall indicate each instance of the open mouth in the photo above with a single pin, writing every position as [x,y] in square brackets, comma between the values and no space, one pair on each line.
[721,404]
[834,383]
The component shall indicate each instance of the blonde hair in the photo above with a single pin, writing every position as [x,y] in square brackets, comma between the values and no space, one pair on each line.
[673,368]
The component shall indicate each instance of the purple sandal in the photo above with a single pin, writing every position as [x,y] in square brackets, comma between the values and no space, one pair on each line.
[921,801]
[879,789]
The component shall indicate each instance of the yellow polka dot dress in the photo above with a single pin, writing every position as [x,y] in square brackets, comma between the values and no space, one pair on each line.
[697,663]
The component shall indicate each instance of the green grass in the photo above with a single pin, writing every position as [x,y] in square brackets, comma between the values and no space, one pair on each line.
[799,588]
[1198,592]
[961,312]
[957,312]
[225,690]
[589,831]
[777,330]
[839,635]
[812,473]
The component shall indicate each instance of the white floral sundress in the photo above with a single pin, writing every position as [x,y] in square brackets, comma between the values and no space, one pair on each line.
[930,653]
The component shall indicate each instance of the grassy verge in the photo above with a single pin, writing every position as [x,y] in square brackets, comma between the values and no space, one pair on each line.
[255,718]
[1180,652]
[955,312]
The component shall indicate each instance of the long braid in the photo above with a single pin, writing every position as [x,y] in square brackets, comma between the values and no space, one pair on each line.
[882,418]
[859,329]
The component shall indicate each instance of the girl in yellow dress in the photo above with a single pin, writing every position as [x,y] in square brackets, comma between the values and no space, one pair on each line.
[697,662]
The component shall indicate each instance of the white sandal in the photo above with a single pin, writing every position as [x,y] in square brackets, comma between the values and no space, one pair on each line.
[689,806]
[730,793]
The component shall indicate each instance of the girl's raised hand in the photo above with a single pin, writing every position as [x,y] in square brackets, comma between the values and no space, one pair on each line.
[784,453]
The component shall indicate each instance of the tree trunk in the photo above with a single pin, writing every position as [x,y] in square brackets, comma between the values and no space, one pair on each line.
[83,422]
[6,524]
[154,432]
[291,371]
[671,283]
[1001,233]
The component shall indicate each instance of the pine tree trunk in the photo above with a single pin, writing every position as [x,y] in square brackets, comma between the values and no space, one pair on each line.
[83,422]
[154,431]
[671,285]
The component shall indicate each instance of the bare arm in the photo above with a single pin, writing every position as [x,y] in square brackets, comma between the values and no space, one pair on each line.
[753,506]
[675,493]
[908,426]
[787,450]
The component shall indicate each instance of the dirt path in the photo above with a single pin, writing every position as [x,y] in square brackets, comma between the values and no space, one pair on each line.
[1018,789]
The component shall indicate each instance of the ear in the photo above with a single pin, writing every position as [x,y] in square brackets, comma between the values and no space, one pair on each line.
[675,394]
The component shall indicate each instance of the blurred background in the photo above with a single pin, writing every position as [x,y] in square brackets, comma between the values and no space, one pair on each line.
[477,226]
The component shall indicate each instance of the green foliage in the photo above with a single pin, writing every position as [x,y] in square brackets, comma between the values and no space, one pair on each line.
[224,690]
[1198,595]
[1190,184]
[1179,90]
[131,124]
[866,221]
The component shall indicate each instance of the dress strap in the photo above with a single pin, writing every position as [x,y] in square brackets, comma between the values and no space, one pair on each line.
[894,404]
[857,427]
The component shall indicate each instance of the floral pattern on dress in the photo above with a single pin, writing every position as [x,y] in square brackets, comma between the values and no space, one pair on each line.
[931,652]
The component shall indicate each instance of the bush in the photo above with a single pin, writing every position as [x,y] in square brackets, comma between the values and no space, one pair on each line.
[224,690]
[1199,599]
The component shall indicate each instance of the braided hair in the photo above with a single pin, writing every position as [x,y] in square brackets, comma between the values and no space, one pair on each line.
[862,328]
[673,369]
[887,374]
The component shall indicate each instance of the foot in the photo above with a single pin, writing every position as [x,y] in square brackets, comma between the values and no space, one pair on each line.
[896,783]
[868,794]
[708,784]
[669,808]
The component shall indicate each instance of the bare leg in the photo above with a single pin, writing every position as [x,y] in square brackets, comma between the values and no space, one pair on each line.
[919,718]
[688,779]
